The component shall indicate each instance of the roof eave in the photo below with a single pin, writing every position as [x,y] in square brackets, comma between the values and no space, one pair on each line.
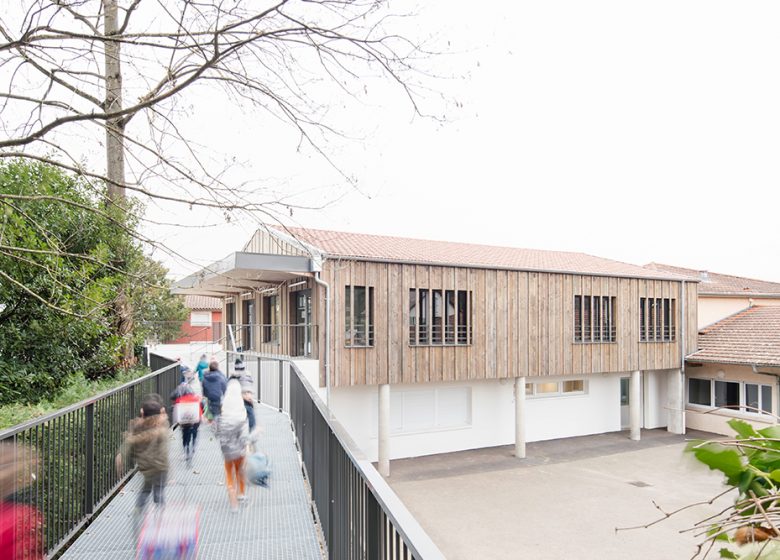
[334,256]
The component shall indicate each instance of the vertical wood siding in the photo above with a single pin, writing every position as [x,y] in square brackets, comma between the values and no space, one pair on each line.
[522,324]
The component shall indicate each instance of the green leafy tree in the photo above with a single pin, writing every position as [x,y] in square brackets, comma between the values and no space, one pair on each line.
[750,463]
[63,258]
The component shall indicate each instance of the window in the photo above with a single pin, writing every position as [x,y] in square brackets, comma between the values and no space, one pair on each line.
[752,398]
[657,319]
[439,317]
[424,410]
[248,308]
[200,318]
[727,394]
[230,313]
[359,316]
[271,319]
[700,391]
[594,319]
[565,388]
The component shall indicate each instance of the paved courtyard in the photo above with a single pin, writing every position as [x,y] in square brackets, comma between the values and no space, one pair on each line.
[564,501]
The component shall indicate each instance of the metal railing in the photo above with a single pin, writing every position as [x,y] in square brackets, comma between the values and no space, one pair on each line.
[360,515]
[75,473]
[297,340]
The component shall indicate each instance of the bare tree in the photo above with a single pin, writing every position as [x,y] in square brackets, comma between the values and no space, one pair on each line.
[83,77]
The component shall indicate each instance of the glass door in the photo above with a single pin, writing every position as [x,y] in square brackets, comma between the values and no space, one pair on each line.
[301,335]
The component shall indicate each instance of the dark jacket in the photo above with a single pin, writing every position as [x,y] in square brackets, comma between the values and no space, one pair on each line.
[214,385]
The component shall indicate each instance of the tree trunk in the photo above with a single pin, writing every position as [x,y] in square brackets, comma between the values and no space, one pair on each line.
[115,159]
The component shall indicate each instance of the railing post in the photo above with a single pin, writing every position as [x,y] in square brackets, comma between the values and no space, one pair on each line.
[281,383]
[259,396]
[89,436]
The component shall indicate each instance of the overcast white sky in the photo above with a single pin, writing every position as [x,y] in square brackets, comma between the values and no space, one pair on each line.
[637,131]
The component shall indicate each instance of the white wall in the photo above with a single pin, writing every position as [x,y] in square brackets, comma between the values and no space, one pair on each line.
[654,399]
[311,371]
[492,416]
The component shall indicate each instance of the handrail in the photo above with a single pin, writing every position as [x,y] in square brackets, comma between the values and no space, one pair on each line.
[81,404]
[415,537]
[75,474]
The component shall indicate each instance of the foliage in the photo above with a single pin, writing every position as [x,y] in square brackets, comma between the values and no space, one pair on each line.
[750,463]
[157,313]
[63,258]
[56,289]
[77,388]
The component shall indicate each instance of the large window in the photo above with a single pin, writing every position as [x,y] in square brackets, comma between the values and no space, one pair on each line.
[570,387]
[439,317]
[359,316]
[741,396]
[425,410]
[657,319]
[271,319]
[594,319]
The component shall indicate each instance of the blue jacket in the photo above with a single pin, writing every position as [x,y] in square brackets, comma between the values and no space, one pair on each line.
[214,385]
[201,368]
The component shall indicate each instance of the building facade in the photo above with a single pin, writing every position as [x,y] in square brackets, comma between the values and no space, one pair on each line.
[426,347]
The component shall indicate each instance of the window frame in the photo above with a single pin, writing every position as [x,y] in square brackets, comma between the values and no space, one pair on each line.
[532,388]
[431,321]
[350,326]
[741,409]
[200,322]
[594,319]
[657,319]
[272,311]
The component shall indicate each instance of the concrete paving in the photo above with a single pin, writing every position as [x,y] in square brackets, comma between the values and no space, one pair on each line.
[564,501]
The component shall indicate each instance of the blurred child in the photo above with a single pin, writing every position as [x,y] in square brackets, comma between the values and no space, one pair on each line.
[247,391]
[214,384]
[233,434]
[21,525]
[202,367]
[146,444]
[187,413]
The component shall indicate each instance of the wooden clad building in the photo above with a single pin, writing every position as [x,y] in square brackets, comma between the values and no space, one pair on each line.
[409,313]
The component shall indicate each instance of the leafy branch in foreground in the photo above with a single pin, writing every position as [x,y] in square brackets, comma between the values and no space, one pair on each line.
[747,529]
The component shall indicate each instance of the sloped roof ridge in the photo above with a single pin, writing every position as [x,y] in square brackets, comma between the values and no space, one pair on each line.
[343,244]
[714,276]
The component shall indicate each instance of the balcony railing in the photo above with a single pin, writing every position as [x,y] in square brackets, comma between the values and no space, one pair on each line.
[75,474]
[359,514]
[297,340]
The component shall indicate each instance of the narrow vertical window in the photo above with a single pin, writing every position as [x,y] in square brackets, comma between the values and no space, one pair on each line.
[667,318]
[658,315]
[463,317]
[424,314]
[673,320]
[359,316]
[412,316]
[596,319]
[642,319]
[438,317]
[577,318]
[586,320]
[449,317]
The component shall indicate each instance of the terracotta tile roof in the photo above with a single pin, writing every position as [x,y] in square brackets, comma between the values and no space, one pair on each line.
[712,283]
[202,302]
[749,337]
[337,244]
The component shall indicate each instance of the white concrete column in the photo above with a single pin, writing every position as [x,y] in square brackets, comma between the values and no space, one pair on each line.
[520,417]
[635,404]
[384,430]
[676,402]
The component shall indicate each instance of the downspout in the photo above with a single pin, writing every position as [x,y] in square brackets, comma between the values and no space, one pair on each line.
[683,339]
[325,285]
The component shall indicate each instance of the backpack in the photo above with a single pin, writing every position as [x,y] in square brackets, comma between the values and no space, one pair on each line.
[186,412]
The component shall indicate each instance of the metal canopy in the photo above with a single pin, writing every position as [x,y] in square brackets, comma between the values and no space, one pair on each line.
[243,272]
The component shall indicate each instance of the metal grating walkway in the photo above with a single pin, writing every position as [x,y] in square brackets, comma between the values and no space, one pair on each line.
[275,524]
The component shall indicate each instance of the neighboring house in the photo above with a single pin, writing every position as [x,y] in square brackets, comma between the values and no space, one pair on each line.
[735,371]
[455,346]
[204,323]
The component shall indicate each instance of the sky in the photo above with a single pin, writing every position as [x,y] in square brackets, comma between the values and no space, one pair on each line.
[636,131]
